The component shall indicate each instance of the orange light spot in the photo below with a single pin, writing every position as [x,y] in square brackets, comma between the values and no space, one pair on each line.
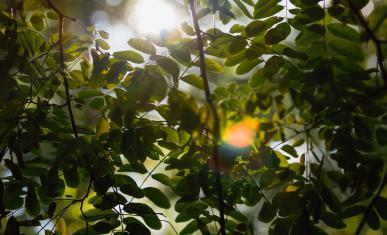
[241,134]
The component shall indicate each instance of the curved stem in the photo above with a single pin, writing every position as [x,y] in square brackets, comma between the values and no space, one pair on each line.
[369,209]
[378,43]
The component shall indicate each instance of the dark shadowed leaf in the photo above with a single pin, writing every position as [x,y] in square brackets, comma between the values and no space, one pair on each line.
[12,227]
[148,215]
[157,197]
[267,213]
[277,34]
[32,203]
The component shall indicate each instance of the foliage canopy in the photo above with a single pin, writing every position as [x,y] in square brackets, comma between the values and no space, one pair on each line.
[75,117]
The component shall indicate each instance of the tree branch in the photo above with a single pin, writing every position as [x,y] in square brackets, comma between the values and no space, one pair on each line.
[370,206]
[378,43]
[63,65]
[59,12]
[216,131]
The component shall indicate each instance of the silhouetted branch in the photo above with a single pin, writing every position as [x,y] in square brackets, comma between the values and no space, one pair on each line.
[216,131]
[378,43]
[370,206]
[63,66]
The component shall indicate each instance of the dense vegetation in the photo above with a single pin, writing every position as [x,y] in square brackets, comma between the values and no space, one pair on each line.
[77,121]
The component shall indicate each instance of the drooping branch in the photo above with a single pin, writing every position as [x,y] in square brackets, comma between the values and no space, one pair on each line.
[63,65]
[377,42]
[369,208]
[59,12]
[216,130]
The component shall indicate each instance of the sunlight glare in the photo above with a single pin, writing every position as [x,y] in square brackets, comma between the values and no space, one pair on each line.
[153,16]
[241,134]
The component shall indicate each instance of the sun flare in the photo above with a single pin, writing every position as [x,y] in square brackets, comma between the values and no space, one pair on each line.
[241,134]
[153,16]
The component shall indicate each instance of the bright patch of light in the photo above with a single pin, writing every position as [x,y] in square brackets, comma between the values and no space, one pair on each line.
[153,16]
[113,2]
[241,134]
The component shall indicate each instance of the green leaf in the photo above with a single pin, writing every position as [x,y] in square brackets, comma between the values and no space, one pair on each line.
[97,103]
[190,228]
[243,8]
[32,203]
[142,45]
[237,28]
[332,220]
[267,213]
[162,179]
[273,66]
[71,176]
[169,65]
[266,8]
[344,31]
[373,220]
[255,28]
[104,227]
[381,207]
[52,15]
[352,211]
[134,226]
[89,94]
[282,200]
[188,29]
[132,189]
[96,214]
[181,54]
[51,209]
[347,49]
[103,34]
[237,44]
[257,80]
[12,195]
[378,18]
[298,143]
[37,21]
[194,80]
[381,136]
[277,34]
[12,227]
[235,59]
[102,44]
[129,56]
[295,54]
[212,65]
[188,186]
[147,214]
[247,65]
[83,231]
[157,197]
[290,150]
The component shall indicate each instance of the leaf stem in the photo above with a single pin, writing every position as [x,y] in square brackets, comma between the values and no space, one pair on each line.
[370,206]
[378,43]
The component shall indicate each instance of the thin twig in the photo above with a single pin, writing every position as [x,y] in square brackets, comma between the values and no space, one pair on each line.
[370,206]
[59,12]
[63,66]
[378,43]
[216,131]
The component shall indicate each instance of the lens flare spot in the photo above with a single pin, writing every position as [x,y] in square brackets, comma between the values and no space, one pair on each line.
[241,134]
[153,16]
